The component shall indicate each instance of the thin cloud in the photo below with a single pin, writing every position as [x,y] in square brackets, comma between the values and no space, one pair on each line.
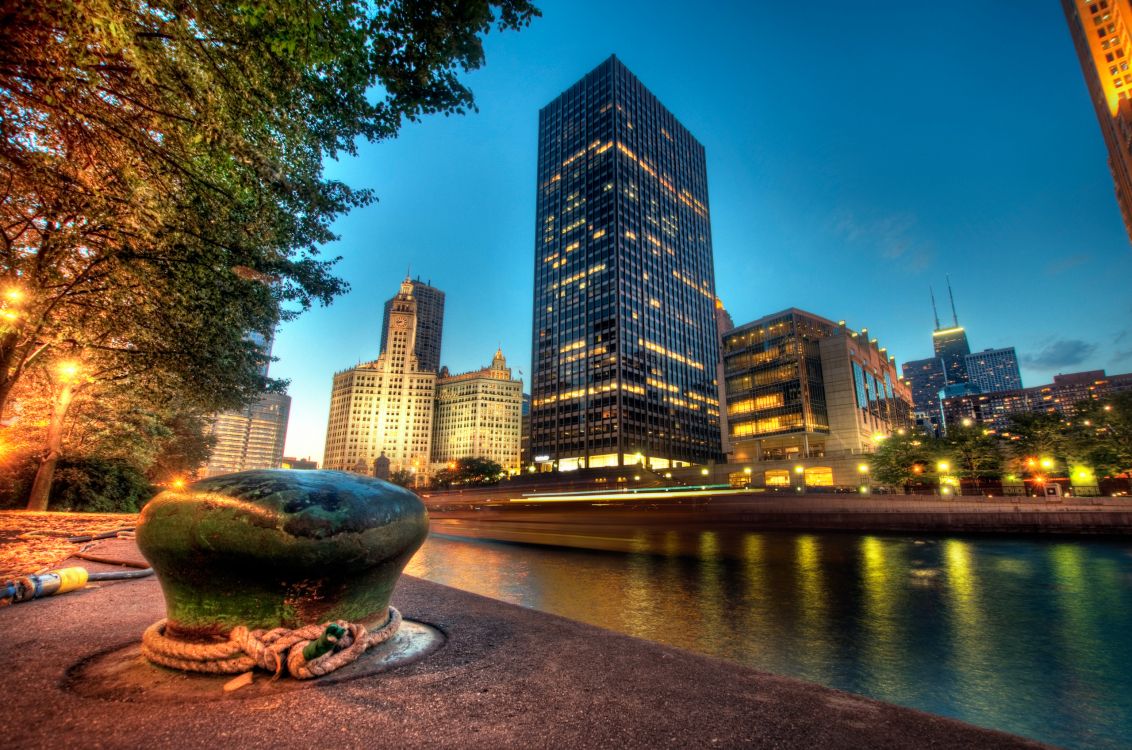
[1060,266]
[1060,354]
[891,237]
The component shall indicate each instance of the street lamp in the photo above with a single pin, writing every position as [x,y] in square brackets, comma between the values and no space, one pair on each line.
[68,370]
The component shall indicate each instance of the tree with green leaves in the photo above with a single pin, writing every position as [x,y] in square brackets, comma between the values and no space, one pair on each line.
[1102,435]
[161,174]
[901,460]
[403,477]
[971,452]
[474,471]
[1039,443]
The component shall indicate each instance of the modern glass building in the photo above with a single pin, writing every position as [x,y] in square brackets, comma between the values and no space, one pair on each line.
[951,346]
[430,324]
[994,370]
[801,386]
[624,337]
[926,378]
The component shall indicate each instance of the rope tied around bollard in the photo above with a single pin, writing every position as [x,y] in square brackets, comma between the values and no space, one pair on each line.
[305,653]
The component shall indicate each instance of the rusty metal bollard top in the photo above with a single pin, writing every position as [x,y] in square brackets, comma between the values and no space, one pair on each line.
[278,548]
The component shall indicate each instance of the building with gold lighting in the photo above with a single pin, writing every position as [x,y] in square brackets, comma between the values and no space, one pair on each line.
[384,407]
[479,415]
[1103,37]
[809,396]
[624,344]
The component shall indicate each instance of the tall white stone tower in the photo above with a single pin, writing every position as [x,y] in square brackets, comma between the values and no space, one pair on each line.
[384,407]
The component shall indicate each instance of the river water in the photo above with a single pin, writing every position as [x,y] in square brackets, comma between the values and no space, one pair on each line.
[1028,636]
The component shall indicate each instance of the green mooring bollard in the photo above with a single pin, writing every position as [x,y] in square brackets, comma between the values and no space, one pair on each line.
[279,548]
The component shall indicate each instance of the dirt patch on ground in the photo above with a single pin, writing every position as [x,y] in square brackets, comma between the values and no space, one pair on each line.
[30,542]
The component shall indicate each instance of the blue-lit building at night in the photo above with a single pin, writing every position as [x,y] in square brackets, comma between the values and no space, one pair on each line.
[624,336]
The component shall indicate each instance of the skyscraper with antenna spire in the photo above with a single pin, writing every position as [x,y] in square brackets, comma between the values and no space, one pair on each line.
[954,370]
[951,343]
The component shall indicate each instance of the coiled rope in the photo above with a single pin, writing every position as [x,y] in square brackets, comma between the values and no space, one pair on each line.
[306,652]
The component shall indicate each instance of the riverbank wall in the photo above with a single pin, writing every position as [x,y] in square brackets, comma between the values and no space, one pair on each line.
[514,518]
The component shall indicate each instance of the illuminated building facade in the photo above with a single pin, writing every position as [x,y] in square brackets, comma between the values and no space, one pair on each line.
[624,341]
[993,410]
[479,415]
[253,437]
[384,408]
[1100,32]
[430,324]
[994,370]
[800,386]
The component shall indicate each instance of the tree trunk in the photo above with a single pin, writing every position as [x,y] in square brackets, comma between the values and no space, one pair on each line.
[41,488]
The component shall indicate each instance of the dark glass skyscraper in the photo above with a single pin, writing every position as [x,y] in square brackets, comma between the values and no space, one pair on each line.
[951,346]
[625,347]
[430,325]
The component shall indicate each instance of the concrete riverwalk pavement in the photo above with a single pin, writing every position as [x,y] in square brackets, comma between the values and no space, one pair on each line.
[505,677]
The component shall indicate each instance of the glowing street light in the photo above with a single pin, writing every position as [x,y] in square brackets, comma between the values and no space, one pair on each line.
[747,470]
[68,370]
[943,466]
[1047,463]
[862,468]
[967,422]
[799,469]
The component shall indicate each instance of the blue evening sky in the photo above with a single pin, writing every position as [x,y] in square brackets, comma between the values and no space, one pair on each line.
[857,152]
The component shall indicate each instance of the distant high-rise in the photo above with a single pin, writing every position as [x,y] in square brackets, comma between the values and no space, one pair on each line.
[1101,32]
[926,378]
[994,370]
[430,324]
[951,344]
[625,344]
[479,414]
[253,437]
[383,409]
[1062,396]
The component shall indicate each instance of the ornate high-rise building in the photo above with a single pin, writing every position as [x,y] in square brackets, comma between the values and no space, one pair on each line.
[430,324]
[479,415]
[1102,34]
[384,408]
[625,344]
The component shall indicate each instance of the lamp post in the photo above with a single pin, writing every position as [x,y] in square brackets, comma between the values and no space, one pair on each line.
[945,481]
[866,479]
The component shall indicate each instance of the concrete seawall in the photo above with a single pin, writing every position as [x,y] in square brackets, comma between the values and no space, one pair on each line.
[1095,516]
